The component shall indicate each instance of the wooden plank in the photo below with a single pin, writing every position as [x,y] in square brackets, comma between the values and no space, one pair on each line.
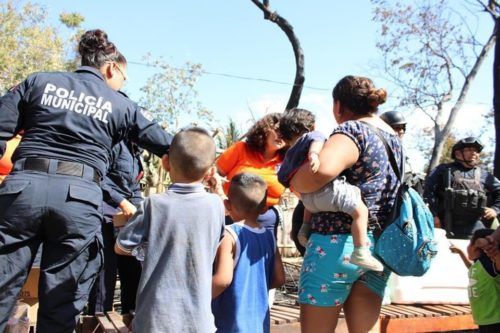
[438,309]
[452,311]
[288,309]
[425,313]
[105,324]
[117,321]
[427,324]
[285,313]
[284,318]
[412,310]
[460,309]
[401,311]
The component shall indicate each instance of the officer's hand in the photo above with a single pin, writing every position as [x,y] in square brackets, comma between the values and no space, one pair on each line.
[489,213]
[127,208]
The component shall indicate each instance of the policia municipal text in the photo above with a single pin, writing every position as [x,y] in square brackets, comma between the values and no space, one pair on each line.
[53,196]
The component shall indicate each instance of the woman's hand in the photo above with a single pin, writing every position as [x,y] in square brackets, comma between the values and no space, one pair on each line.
[338,154]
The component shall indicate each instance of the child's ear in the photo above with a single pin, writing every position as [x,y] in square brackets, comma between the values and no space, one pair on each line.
[227,205]
[165,162]
[210,173]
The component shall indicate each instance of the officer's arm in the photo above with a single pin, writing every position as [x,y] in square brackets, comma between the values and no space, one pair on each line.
[10,106]
[149,135]
[110,196]
[431,190]
[492,185]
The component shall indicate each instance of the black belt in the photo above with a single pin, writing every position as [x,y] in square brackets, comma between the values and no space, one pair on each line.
[61,168]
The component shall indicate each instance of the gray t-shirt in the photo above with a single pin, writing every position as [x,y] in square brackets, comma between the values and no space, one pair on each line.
[180,231]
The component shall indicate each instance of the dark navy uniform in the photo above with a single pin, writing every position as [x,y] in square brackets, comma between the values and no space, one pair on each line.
[467,186]
[71,121]
[120,183]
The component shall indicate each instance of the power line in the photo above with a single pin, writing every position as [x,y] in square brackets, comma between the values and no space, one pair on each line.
[232,76]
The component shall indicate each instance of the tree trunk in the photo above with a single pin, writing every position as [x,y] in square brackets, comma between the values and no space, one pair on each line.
[294,99]
[443,134]
[496,98]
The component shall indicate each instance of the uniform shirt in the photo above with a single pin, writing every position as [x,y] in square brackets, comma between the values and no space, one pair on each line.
[297,155]
[240,158]
[122,180]
[244,305]
[484,292]
[179,231]
[435,186]
[74,116]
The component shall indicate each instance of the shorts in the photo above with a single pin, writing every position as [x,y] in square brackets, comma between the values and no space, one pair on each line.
[336,196]
[327,276]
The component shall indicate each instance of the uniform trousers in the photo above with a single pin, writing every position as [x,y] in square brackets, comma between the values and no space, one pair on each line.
[63,213]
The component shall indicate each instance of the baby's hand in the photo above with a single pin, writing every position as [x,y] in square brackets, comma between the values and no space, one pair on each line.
[314,162]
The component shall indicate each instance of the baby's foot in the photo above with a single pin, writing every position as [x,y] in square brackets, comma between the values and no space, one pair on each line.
[362,257]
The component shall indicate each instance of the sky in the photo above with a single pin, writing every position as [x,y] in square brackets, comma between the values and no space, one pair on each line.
[232,38]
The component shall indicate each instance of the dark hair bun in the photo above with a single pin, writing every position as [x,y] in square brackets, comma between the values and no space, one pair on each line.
[93,41]
[376,97]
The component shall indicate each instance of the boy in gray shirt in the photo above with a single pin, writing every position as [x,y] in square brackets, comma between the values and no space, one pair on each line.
[179,232]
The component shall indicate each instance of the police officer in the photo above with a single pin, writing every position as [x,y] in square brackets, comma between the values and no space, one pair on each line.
[53,196]
[462,196]
[397,121]
[122,194]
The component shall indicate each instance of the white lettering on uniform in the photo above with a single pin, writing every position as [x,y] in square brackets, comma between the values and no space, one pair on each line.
[80,103]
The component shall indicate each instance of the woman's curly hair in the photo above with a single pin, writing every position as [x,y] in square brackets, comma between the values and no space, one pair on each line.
[359,94]
[257,134]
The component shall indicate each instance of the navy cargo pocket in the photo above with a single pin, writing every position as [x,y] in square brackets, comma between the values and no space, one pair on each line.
[13,186]
[9,192]
[84,194]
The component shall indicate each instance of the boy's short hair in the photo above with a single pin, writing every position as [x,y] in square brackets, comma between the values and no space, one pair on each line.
[480,233]
[295,123]
[248,192]
[192,152]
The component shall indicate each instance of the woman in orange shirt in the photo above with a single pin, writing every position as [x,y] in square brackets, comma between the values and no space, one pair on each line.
[261,154]
[5,161]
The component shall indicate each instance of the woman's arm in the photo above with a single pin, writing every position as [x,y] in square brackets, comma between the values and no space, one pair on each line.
[224,262]
[338,154]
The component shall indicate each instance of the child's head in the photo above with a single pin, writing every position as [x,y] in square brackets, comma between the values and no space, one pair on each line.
[246,197]
[191,155]
[478,234]
[295,123]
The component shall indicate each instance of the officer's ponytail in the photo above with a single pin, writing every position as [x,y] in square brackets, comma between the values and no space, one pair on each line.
[95,49]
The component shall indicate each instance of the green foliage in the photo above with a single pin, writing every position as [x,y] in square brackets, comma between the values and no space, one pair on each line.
[28,43]
[448,144]
[170,93]
[229,135]
[71,20]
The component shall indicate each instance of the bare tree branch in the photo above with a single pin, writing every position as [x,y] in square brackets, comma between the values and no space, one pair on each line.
[284,25]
